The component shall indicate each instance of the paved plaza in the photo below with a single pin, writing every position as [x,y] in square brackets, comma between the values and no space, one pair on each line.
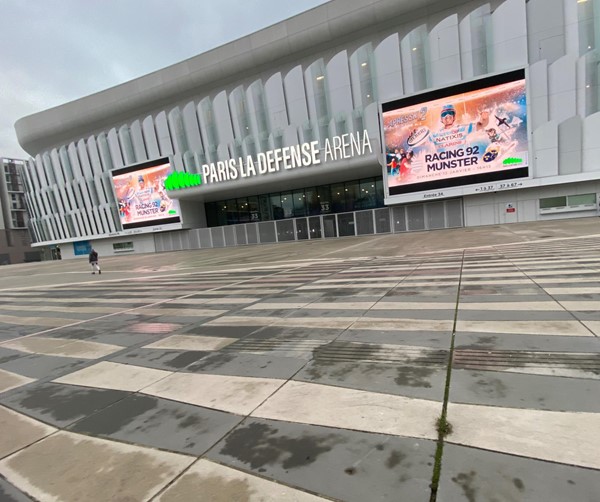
[454,365]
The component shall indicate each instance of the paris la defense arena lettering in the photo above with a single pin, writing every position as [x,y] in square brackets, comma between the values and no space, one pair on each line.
[467,134]
[307,154]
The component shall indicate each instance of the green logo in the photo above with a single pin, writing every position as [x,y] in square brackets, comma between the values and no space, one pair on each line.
[512,160]
[178,180]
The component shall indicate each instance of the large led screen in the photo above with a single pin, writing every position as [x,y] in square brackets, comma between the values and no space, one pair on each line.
[462,135]
[141,195]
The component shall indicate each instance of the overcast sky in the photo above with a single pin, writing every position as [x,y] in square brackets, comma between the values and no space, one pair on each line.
[55,51]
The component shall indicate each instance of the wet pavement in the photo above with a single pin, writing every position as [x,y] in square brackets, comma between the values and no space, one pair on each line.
[309,371]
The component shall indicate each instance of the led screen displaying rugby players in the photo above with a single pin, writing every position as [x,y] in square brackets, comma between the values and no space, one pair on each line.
[470,133]
[141,195]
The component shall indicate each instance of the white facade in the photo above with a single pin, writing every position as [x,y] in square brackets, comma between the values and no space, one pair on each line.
[315,76]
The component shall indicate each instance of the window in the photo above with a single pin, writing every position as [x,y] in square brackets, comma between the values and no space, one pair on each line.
[353,195]
[581,202]
[122,247]
[552,202]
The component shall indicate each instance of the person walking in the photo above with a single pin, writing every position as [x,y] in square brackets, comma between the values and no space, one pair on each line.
[93,258]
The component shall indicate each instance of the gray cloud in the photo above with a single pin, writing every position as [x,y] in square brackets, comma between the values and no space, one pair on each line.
[56,51]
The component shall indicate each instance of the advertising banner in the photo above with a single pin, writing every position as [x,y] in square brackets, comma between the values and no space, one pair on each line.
[141,196]
[471,133]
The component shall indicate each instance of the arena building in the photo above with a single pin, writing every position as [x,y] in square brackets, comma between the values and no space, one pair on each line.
[352,118]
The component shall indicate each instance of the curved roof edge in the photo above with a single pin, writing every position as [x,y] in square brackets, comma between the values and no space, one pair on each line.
[298,34]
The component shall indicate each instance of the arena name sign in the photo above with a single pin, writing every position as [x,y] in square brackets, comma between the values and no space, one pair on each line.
[307,154]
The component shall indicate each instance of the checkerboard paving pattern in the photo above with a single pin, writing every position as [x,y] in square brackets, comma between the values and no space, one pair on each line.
[310,380]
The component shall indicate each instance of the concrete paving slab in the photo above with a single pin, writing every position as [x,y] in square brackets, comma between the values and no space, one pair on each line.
[352,409]
[191,342]
[9,493]
[418,314]
[63,347]
[563,437]
[502,341]
[247,365]
[9,380]
[514,315]
[295,333]
[23,431]
[220,331]
[219,483]
[115,376]
[341,464]
[38,366]
[403,324]
[159,423]
[36,321]
[168,360]
[239,395]
[422,382]
[528,391]
[58,469]
[60,405]
[552,328]
[431,339]
[471,474]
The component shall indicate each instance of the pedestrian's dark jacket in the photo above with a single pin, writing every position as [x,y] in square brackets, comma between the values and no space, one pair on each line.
[93,256]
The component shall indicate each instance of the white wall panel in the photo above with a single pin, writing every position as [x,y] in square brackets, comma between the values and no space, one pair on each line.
[162,134]
[191,128]
[63,200]
[407,47]
[84,158]
[295,96]
[36,172]
[65,163]
[104,151]
[538,94]
[47,163]
[178,162]
[150,138]
[569,11]
[473,42]
[388,68]
[546,30]
[315,83]
[114,148]
[545,150]
[569,146]
[562,88]
[56,167]
[239,113]
[258,113]
[444,52]
[275,102]
[222,118]
[338,84]
[208,129]
[137,139]
[290,136]
[71,201]
[363,75]
[509,35]
[178,138]
[94,155]
[74,160]
[126,143]
[40,176]
[591,143]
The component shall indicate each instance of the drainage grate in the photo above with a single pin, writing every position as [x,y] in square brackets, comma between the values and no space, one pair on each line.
[392,354]
[324,352]
[507,359]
